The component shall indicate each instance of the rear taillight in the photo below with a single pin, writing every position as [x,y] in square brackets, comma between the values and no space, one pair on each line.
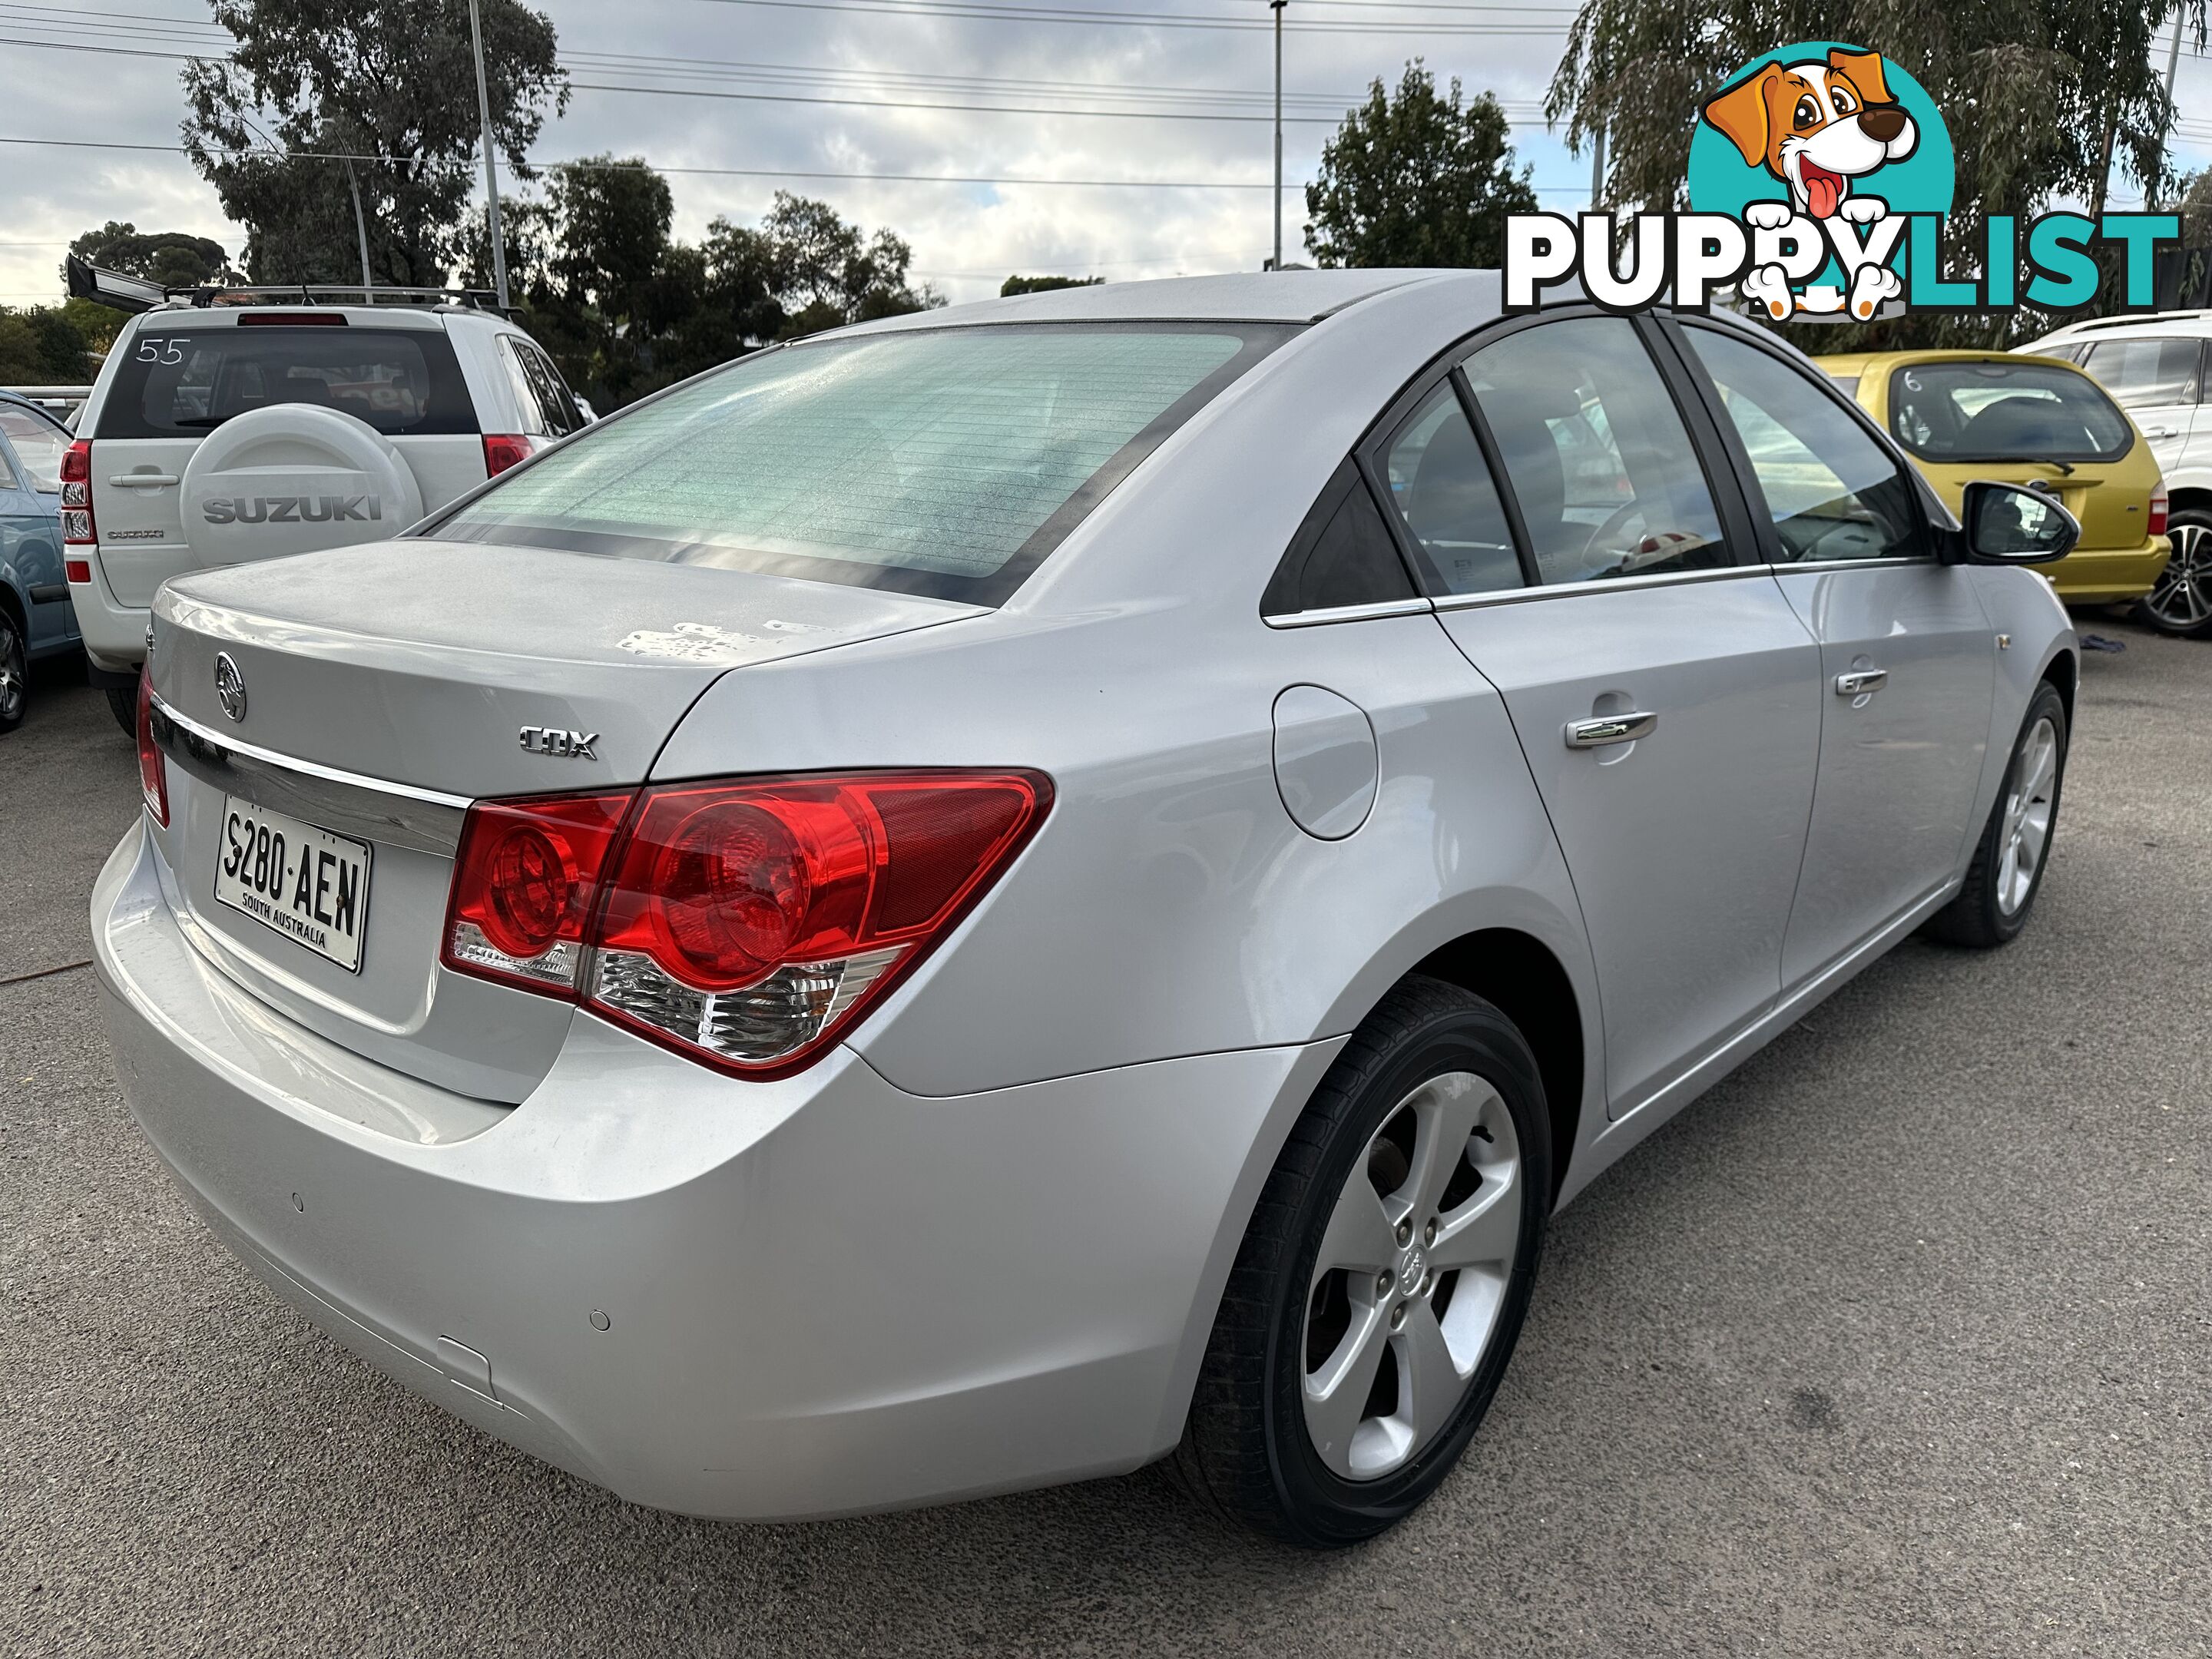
[77,570]
[525,882]
[743,924]
[153,783]
[77,497]
[503,450]
[2157,509]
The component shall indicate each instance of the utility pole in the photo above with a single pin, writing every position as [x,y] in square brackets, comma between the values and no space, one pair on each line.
[1597,169]
[491,162]
[361,229]
[2165,134]
[1276,6]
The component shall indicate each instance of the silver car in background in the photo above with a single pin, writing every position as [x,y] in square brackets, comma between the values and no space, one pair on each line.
[1004,893]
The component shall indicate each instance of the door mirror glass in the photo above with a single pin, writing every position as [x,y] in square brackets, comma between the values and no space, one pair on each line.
[2008,525]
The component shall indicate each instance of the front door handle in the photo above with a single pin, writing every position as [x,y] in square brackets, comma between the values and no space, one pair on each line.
[1610,728]
[1860,681]
[142,480]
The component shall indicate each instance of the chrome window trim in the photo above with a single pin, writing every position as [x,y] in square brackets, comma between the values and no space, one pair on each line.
[1344,613]
[394,814]
[1604,585]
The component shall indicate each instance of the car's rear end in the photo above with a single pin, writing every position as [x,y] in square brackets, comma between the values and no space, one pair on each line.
[526,1068]
[357,419]
[2042,423]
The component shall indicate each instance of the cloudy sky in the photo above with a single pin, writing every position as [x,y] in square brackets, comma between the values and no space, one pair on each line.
[829,88]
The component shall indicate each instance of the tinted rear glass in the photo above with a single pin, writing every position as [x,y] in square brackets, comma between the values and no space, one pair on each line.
[184,384]
[2015,411]
[947,462]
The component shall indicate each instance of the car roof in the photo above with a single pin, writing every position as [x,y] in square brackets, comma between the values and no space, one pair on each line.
[1262,296]
[172,318]
[1865,363]
[17,400]
[2184,324]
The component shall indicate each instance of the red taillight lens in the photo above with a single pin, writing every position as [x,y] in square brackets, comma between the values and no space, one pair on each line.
[2158,511]
[77,497]
[745,924]
[152,782]
[503,450]
[77,570]
[525,879]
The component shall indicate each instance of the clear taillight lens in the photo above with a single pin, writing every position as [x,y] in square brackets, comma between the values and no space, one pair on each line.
[152,782]
[2158,511]
[76,495]
[742,924]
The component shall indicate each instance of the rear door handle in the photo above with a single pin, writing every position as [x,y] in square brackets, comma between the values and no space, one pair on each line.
[142,480]
[1861,680]
[1611,728]
[2158,432]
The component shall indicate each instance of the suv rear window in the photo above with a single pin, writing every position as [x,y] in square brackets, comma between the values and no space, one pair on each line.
[947,462]
[2004,411]
[404,382]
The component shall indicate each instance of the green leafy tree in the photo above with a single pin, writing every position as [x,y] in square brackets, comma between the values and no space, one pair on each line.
[41,346]
[1014,285]
[168,256]
[626,309]
[2044,99]
[397,80]
[1416,178]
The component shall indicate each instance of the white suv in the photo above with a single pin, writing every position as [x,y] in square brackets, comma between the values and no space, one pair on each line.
[247,424]
[2156,368]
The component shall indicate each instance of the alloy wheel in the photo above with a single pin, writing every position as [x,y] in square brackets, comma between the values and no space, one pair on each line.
[2183,599]
[13,680]
[2027,815]
[1412,1275]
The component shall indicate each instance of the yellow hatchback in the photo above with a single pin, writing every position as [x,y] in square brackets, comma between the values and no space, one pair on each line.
[2034,421]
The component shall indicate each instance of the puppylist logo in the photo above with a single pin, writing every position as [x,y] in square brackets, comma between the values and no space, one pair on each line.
[1820,175]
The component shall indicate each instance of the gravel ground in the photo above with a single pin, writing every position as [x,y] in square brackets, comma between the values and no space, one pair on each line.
[1896,1343]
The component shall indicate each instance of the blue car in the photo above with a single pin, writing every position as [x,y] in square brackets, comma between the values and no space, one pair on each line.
[36,619]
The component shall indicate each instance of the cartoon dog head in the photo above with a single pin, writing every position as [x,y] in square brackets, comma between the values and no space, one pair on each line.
[1816,125]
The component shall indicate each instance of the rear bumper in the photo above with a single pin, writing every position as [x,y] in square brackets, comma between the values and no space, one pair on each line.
[820,1295]
[114,634]
[2108,575]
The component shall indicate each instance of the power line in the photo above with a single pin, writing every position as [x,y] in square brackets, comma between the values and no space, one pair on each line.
[591,164]
[999,11]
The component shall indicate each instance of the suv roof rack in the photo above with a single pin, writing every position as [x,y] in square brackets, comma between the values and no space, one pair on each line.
[136,294]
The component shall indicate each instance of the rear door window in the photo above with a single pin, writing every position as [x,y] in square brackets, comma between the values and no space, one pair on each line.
[2146,374]
[1442,489]
[186,382]
[1606,477]
[541,390]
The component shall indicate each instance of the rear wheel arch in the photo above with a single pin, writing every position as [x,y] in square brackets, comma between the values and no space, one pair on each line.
[1519,974]
[2190,498]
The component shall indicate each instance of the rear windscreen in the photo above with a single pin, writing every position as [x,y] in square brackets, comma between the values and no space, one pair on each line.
[946,462]
[401,381]
[2015,411]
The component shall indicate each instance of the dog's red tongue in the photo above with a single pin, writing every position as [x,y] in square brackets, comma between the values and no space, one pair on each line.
[1823,189]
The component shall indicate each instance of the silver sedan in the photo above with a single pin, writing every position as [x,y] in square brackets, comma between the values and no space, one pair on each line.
[1006,894]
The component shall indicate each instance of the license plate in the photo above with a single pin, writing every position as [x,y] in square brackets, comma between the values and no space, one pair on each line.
[308,884]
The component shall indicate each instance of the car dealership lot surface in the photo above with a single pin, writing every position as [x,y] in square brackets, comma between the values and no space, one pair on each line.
[1895,1342]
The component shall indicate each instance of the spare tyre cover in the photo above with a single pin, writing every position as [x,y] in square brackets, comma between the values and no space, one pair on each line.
[291,479]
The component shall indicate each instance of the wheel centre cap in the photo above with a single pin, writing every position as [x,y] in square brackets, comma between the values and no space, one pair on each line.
[1412,1268]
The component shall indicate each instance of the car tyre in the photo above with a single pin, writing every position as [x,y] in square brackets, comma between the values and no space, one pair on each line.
[2015,849]
[122,703]
[1336,1395]
[15,674]
[2181,603]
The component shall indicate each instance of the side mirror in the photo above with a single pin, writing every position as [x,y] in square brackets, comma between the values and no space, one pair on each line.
[2006,524]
